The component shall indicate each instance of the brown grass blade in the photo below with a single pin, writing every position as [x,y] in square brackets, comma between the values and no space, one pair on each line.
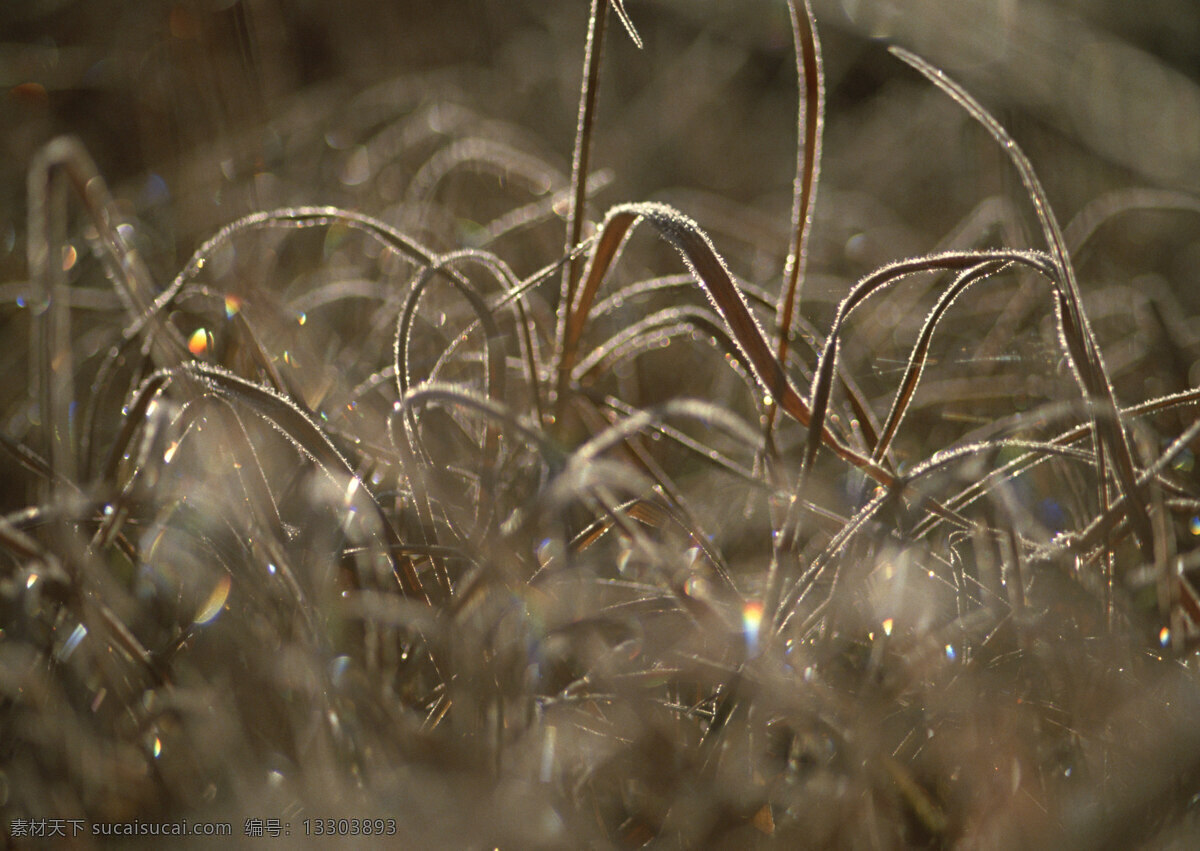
[581,161]
[808,165]
[1076,333]
[916,361]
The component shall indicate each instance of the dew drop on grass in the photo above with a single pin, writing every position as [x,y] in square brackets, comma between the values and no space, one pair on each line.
[157,747]
[1194,524]
[1164,636]
[951,655]
[888,623]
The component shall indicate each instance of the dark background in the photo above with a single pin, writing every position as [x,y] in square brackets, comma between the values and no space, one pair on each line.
[176,99]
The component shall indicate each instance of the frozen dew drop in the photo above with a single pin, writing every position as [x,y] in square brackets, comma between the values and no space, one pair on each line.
[888,623]
[157,747]
[951,655]
[1194,524]
[233,306]
[1164,636]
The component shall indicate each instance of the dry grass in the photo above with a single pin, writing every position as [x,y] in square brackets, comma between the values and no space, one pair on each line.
[418,514]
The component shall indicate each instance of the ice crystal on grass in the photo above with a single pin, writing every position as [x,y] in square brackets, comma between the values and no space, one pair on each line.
[500,518]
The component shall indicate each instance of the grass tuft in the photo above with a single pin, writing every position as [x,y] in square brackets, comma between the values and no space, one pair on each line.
[488,522]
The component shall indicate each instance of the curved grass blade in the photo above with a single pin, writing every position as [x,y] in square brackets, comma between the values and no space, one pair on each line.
[1076,333]
[494,410]
[649,331]
[627,22]
[495,356]
[304,433]
[1100,211]
[803,585]
[872,284]
[916,361]
[712,275]
[1185,399]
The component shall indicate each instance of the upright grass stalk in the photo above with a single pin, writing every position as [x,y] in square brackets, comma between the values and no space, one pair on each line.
[811,120]
[580,163]
[580,160]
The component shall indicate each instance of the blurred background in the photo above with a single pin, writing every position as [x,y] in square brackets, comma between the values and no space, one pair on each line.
[183,103]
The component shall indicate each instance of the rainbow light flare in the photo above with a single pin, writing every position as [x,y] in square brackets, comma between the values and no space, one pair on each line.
[752,615]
